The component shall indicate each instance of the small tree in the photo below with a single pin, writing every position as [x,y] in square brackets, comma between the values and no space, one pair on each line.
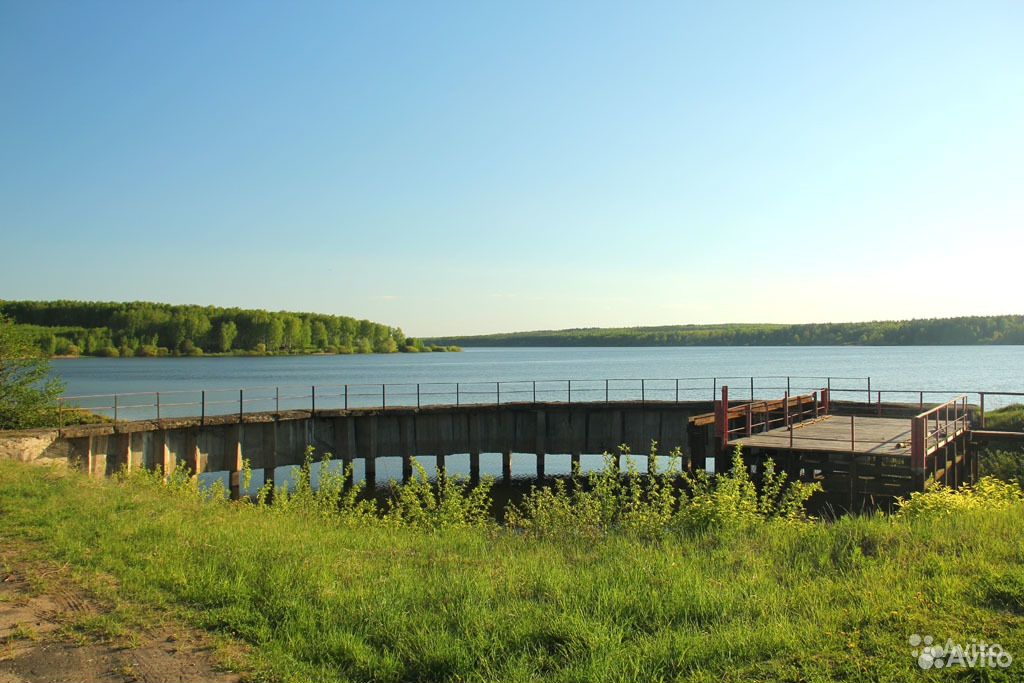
[227,333]
[28,395]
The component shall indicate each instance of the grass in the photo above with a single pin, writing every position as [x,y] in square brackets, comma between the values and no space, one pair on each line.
[1008,419]
[321,598]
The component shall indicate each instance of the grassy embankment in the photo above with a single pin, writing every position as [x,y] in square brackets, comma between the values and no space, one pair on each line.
[718,588]
[1005,459]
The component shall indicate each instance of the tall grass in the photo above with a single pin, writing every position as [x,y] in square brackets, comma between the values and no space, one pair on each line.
[329,588]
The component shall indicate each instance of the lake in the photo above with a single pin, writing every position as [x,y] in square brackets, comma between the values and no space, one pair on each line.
[946,369]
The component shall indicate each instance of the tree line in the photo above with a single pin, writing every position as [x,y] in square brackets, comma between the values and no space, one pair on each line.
[996,329]
[140,328]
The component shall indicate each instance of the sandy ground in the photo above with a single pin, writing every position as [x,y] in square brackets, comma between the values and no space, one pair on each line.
[39,641]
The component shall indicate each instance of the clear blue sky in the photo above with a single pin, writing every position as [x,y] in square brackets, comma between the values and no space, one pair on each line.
[475,166]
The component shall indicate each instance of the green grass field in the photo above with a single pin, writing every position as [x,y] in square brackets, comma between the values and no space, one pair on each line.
[322,597]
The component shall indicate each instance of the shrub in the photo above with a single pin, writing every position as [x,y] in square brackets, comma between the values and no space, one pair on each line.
[988,493]
[330,498]
[1005,465]
[652,505]
[731,500]
[448,502]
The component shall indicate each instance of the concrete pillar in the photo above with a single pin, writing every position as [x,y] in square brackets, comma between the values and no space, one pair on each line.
[168,461]
[474,468]
[440,462]
[407,467]
[574,462]
[270,453]
[235,475]
[350,445]
[127,452]
[506,466]
[90,465]
[370,458]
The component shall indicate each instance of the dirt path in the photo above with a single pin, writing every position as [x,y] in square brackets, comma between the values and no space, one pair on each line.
[51,631]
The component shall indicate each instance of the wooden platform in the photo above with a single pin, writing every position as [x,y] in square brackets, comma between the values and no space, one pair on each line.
[871,435]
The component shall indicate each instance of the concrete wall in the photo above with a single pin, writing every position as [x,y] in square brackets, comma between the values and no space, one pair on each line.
[267,441]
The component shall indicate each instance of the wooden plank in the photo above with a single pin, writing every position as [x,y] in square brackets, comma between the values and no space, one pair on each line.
[977,434]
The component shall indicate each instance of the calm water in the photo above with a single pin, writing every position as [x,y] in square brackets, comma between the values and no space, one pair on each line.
[951,369]
[945,369]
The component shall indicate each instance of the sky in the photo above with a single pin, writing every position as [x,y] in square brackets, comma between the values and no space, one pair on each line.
[474,167]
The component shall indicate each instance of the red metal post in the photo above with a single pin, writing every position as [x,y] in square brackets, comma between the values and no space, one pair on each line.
[722,417]
[785,409]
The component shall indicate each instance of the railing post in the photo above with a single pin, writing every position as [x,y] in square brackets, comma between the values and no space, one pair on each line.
[534,391]
[983,410]
[826,400]
[750,419]
[714,388]
[158,407]
[643,391]
[788,388]
[241,402]
[606,391]
[722,417]
[497,397]
[785,408]
[383,396]
[569,390]
[312,400]
[917,450]
[457,393]
[751,388]
[677,391]
[417,394]
[815,405]
[277,399]
[879,404]
[346,397]
[920,401]
[202,409]
[853,436]
[115,410]
[869,391]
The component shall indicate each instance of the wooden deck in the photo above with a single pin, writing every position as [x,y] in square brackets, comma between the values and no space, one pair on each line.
[871,435]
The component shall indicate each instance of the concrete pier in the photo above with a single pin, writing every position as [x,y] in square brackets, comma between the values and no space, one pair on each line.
[270,440]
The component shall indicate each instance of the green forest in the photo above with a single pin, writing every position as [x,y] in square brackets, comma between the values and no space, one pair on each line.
[140,328]
[996,329]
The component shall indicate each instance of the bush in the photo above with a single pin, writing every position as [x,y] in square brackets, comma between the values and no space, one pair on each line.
[1005,465]
[330,498]
[731,500]
[988,493]
[651,506]
[449,502]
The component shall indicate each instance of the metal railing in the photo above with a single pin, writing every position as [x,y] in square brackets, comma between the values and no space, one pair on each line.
[202,403]
[934,428]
